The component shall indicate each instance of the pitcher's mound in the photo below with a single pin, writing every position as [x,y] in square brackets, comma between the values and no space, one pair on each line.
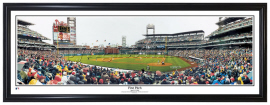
[159,64]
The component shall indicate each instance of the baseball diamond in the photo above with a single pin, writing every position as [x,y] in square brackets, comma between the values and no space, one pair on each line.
[134,62]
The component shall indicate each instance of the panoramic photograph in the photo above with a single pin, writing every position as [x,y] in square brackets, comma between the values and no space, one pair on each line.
[134,50]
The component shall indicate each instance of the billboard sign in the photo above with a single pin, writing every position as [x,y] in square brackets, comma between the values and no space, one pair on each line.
[60,23]
[66,36]
[55,28]
[63,33]
[72,31]
[61,36]
[160,46]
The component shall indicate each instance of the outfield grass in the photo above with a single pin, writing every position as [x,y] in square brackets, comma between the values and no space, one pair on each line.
[134,63]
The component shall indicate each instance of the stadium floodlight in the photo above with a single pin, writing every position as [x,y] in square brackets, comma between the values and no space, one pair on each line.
[150,26]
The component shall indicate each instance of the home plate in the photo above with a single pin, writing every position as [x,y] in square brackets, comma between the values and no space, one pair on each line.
[191,63]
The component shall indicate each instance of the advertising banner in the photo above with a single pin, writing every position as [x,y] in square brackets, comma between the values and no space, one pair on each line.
[160,46]
[73,31]
[55,28]
[55,35]
[66,36]
[63,36]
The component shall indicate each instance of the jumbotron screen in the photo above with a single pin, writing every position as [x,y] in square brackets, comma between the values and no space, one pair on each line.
[60,36]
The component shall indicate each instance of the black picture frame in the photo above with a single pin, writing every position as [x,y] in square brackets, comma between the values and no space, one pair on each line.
[261,7]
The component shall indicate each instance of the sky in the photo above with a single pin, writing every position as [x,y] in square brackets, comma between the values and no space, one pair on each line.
[112,28]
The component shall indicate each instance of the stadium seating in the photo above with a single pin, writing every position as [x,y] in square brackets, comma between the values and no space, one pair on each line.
[219,65]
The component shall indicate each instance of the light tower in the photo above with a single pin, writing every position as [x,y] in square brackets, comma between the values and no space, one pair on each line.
[150,26]
[124,41]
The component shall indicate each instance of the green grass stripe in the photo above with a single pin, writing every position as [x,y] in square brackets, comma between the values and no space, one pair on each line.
[132,63]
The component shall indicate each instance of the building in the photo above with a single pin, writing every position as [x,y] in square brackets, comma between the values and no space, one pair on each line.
[29,39]
[124,38]
[71,21]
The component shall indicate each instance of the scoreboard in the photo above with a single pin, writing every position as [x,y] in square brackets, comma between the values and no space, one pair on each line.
[61,32]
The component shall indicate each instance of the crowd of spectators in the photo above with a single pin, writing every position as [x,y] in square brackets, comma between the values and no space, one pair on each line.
[220,66]
[22,40]
[71,46]
[171,39]
[230,37]
[153,45]
[33,43]
[226,66]
[79,51]
[22,30]
[233,25]
[215,66]
[26,30]
[147,51]
[218,39]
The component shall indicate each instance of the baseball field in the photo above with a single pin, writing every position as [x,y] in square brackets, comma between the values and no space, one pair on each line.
[133,62]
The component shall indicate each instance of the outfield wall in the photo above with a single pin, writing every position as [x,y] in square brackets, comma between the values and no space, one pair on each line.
[83,54]
[122,52]
[144,52]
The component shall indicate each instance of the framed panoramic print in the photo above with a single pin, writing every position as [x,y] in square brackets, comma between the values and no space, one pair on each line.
[134,52]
